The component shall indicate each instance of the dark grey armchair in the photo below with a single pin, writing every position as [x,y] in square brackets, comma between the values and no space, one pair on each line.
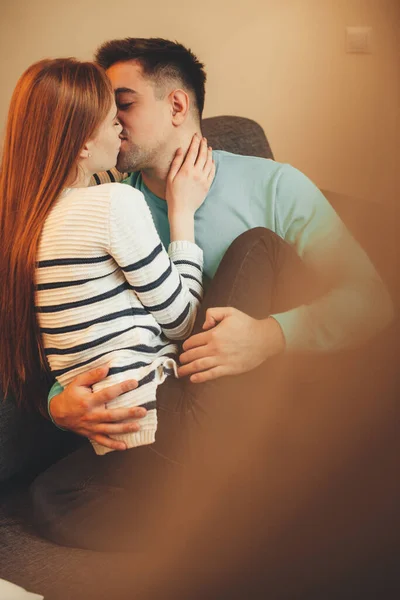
[238,135]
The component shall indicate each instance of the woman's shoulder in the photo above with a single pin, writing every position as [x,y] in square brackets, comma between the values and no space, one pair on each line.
[105,194]
[119,189]
[105,191]
[123,196]
[104,200]
[119,194]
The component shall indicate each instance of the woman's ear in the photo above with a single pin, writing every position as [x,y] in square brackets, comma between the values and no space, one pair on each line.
[180,104]
[85,152]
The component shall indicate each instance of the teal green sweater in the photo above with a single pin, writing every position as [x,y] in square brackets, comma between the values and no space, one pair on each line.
[251,192]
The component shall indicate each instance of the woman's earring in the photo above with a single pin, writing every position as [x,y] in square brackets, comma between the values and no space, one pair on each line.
[89,155]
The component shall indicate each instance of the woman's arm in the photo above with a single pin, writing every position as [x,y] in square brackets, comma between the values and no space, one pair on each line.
[169,285]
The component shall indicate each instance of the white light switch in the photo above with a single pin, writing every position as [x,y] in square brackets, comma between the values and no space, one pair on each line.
[358,40]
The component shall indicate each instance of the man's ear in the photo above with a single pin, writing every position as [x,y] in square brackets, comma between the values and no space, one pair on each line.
[180,104]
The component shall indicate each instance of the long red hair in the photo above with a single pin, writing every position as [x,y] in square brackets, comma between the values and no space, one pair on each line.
[56,107]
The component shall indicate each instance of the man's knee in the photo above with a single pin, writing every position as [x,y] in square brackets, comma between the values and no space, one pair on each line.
[258,236]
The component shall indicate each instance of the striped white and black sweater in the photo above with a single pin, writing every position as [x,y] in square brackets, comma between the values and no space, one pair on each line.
[107,292]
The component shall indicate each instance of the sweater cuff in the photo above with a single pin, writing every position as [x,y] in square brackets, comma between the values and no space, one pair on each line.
[185,249]
[146,435]
[293,331]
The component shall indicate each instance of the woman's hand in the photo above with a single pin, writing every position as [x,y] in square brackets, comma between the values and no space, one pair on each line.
[189,178]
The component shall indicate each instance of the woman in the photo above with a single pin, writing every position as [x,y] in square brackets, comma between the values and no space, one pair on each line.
[85,278]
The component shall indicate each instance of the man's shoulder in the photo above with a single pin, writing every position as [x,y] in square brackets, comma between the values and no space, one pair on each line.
[266,169]
[240,164]
[232,157]
[259,173]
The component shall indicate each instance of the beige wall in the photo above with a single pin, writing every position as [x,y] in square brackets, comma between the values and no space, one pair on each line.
[333,115]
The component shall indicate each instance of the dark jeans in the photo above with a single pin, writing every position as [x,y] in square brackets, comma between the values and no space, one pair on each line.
[84,499]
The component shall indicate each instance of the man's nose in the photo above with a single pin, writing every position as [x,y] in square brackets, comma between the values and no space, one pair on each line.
[121,126]
[120,117]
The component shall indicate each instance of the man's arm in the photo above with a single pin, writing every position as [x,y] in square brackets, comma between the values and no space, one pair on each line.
[356,307]
[358,304]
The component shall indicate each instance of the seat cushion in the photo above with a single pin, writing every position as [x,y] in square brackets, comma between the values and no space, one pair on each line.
[56,572]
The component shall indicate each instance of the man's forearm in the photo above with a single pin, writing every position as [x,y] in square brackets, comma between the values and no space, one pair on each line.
[344,318]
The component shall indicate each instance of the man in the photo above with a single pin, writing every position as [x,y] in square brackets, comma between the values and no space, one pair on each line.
[159,88]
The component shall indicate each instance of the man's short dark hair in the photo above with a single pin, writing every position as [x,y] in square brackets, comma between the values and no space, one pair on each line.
[160,59]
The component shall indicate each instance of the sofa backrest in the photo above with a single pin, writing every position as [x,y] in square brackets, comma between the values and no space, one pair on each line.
[238,135]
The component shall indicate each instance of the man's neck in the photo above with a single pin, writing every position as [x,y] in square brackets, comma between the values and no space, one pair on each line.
[155,178]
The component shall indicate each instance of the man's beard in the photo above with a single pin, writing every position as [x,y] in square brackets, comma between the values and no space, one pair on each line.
[132,158]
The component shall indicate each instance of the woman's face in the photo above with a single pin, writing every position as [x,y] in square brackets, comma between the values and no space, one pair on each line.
[105,145]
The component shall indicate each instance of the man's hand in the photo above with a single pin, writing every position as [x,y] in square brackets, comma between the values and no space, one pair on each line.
[232,343]
[82,411]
